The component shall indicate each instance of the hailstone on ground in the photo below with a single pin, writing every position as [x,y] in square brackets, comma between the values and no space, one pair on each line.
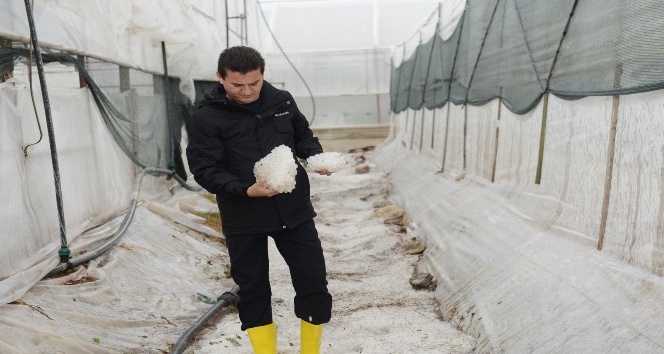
[278,168]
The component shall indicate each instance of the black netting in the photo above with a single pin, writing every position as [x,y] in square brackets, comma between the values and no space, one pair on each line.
[519,49]
[394,85]
[404,78]
[418,80]
[132,105]
[440,71]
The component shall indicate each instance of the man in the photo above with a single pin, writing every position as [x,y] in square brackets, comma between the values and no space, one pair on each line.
[239,122]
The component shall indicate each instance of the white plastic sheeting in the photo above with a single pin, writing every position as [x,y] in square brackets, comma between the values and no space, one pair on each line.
[635,223]
[359,72]
[517,262]
[445,18]
[345,58]
[350,87]
[341,48]
[347,54]
[342,24]
[95,176]
[142,294]
[128,32]
[137,298]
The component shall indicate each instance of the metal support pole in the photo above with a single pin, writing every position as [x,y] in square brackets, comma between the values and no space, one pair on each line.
[64,251]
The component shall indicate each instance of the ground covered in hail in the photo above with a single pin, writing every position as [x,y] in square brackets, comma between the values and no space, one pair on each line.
[161,277]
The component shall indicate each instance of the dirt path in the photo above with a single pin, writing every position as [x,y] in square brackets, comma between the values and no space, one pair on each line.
[376,310]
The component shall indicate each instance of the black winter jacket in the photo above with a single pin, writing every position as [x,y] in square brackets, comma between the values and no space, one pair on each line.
[226,140]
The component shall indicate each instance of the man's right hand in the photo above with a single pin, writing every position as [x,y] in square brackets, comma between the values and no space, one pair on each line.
[259,189]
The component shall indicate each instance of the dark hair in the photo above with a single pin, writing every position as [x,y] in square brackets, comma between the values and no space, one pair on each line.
[240,59]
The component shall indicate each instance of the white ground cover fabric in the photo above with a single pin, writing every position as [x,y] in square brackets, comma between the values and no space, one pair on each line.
[147,290]
[508,272]
[96,180]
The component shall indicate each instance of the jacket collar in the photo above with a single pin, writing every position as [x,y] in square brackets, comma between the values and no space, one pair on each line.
[270,96]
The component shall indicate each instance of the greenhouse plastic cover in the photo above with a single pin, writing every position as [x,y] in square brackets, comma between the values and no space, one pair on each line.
[130,33]
[140,296]
[97,182]
[518,262]
[345,68]
[92,167]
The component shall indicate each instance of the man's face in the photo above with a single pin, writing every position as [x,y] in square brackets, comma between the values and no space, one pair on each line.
[242,88]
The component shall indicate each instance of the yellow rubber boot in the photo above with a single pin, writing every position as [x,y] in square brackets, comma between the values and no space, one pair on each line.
[263,339]
[310,337]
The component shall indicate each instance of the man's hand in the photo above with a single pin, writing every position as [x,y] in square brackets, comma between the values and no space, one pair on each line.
[323,172]
[258,189]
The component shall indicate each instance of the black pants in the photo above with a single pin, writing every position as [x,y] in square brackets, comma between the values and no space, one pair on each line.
[302,251]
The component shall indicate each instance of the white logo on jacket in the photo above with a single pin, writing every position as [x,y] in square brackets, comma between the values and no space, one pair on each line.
[281,114]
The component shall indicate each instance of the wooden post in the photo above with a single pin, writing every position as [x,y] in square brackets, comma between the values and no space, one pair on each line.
[405,127]
[610,153]
[465,134]
[7,44]
[81,79]
[538,175]
[433,127]
[412,130]
[422,129]
[447,133]
[379,112]
[540,159]
[495,145]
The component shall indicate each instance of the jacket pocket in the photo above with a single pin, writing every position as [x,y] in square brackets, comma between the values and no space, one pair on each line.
[284,124]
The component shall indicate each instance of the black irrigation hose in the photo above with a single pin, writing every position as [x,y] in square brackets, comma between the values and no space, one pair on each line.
[63,266]
[184,184]
[64,250]
[34,107]
[226,299]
